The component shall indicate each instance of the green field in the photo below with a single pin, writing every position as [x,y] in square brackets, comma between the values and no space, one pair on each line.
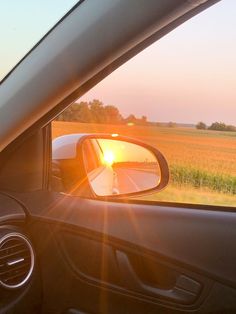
[202,163]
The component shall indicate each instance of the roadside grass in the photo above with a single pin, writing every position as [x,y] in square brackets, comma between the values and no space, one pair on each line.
[190,195]
[189,176]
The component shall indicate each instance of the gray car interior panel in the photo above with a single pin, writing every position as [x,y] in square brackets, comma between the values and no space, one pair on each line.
[164,229]
[10,210]
[24,167]
[82,234]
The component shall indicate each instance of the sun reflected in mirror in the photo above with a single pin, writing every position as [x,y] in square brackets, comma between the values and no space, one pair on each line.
[109,157]
[119,167]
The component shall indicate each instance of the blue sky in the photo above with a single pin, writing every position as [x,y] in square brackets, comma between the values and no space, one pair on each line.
[23,23]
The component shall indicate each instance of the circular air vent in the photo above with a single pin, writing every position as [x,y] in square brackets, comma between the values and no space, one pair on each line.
[16,260]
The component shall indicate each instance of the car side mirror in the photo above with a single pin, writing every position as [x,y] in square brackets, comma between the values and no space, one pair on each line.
[109,166]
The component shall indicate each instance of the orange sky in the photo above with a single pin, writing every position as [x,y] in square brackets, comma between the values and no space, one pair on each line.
[187,76]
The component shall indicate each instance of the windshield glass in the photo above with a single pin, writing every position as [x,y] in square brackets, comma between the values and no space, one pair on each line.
[23,23]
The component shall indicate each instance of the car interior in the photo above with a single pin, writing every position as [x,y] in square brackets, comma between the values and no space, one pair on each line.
[70,254]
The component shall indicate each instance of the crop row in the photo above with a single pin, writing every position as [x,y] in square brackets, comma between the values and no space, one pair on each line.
[181,175]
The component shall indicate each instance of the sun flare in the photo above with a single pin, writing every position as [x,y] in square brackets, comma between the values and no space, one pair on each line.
[109,157]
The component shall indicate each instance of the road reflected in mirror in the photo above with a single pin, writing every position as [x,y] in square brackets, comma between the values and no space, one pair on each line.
[116,167]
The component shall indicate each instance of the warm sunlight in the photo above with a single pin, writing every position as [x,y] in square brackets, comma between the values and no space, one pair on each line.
[109,157]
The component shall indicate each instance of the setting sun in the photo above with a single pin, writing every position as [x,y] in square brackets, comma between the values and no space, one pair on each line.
[109,157]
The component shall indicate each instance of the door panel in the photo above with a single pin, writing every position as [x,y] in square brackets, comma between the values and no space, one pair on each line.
[133,258]
[202,239]
[130,270]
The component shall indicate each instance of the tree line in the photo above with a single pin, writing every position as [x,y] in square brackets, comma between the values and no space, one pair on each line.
[96,112]
[216,126]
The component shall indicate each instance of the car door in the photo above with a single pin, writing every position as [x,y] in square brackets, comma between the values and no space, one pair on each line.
[112,257]
[96,255]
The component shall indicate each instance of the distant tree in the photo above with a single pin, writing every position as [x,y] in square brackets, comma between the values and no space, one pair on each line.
[144,119]
[97,111]
[220,126]
[112,115]
[201,126]
[231,128]
[131,119]
[82,112]
[171,124]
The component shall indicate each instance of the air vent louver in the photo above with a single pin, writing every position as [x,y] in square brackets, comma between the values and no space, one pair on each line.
[16,260]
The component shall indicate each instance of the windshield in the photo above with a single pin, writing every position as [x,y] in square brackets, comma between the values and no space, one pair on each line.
[23,23]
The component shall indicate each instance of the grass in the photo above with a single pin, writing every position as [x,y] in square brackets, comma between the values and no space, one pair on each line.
[190,195]
[183,176]
[202,163]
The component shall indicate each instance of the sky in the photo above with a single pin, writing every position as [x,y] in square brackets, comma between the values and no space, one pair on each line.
[23,23]
[187,76]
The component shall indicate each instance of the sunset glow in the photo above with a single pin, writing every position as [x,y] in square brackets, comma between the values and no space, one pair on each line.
[109,157]
[187,76]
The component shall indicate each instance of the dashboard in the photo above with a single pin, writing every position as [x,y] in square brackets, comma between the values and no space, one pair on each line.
[20,285]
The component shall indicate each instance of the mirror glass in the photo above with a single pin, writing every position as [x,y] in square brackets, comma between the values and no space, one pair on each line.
[117,167]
